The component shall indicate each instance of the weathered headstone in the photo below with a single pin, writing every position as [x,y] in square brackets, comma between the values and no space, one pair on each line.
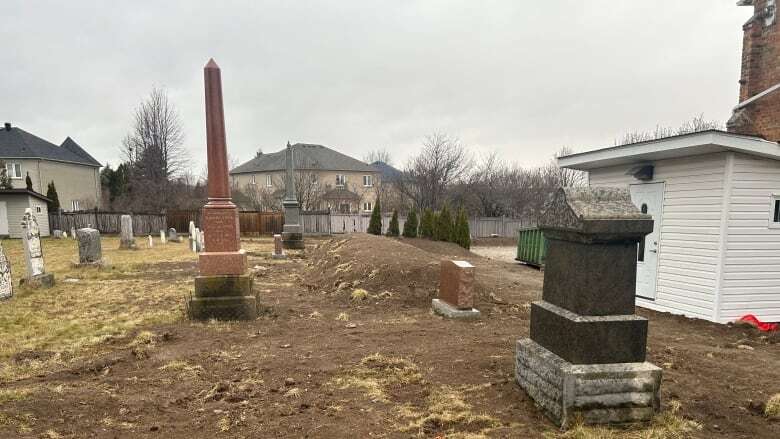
[162,237]
[73,232]
[456,291]
[223,290]
[33,253]
[292,232]
[201,241]
[90,249]
[57,234]
[173,236]
[64,234]
[586,354]
[6,283]
[278,248]
[151,241]
[126,239]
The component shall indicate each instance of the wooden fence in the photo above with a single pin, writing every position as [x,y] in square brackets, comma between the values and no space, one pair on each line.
[480,227]
[260,223]
[107,222]
[180,219]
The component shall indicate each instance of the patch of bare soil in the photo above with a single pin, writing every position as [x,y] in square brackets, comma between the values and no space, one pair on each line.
[324,362]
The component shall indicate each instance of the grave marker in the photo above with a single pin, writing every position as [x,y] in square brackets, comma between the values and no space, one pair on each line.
[162,237]
[6,283]
[173,236]
[126,239]
[456,291]
[278,248]
[33,253]
[292,232]
[90,249]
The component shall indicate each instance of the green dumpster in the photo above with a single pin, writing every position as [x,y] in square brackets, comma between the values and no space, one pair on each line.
[531,247]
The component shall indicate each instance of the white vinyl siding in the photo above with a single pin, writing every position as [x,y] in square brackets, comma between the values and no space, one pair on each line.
[16,204]
[689,243]
[751,272]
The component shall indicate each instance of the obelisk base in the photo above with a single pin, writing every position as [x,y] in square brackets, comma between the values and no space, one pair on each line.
[595,393]
[223,297]
[292,237]
[45,280]
[219,263]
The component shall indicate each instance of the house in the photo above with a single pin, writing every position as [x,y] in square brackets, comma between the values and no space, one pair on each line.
[714,252]
[13,202]
[75,173]
[325,179]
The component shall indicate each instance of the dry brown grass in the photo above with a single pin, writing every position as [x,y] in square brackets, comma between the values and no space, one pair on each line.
[772,409]
[449,415]
[103,303]
[375,373]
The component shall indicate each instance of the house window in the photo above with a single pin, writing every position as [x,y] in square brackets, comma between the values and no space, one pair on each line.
[252,181]
[367,206]
[314,178]
[74,204]
[268,181]
[341,179]
[37,209]
[774,212]
[14,170]
[368,180]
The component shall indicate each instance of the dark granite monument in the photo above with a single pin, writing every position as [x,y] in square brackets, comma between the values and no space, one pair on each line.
[223,290]
[292,232]
[586,354]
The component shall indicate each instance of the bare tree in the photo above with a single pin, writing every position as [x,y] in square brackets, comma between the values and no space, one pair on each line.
[378,155]
[694,125]
[442,161]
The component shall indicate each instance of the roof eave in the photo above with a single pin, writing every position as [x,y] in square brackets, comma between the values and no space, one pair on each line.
[674,147]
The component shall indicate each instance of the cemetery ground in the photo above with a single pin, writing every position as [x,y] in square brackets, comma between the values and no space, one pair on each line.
[346,347]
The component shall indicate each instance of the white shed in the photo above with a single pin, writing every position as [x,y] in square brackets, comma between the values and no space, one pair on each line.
[13,202]
[714,252]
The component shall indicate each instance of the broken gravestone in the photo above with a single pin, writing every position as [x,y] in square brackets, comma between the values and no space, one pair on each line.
[33,253]
[90,250]
[585,358]
[126,239]
[456,291]
[6,284]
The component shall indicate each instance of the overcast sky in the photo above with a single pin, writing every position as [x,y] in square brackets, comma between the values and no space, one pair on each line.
[519,77]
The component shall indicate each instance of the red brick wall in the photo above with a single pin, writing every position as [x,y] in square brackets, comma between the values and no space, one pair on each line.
[760,71]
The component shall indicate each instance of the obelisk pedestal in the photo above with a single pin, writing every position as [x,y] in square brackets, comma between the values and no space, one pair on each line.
[585,358]
[292,232]
[223,290]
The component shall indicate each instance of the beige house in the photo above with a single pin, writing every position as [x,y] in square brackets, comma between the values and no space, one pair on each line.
[324,179]
[75,173]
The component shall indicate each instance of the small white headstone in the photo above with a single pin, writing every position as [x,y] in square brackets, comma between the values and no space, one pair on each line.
[31,237]
[162,236]
[126,240]
[6,284]
[151,241]
[64,234]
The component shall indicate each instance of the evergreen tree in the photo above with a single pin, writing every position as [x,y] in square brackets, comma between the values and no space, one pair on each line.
[444,227]
[375,225]
[5,180]
[410,226]
[28,182]
[392,229]
[51,193]
[462,232]
[426,224]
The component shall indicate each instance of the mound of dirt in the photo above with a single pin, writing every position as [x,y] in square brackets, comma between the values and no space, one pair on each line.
[407,269]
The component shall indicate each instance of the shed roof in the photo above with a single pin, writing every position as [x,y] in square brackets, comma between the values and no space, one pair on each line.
[19,144]
[306,156]
[702,142]
[23,192]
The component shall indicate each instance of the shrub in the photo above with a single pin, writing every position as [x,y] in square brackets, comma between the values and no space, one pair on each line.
[426,224]
[462,233]
[392,229]
[51,193]
[443,231]
[375,225]
[410,226]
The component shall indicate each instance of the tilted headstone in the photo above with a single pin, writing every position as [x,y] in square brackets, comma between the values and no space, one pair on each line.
[126,239]
[173,236]
[456,291]
[586,354]
[278,248]
[90,250]
[33,252]
[6,283]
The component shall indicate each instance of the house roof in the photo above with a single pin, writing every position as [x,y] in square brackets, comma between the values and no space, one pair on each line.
[702,142]
[19,144]
[306,156]
[388,171]
[23,192]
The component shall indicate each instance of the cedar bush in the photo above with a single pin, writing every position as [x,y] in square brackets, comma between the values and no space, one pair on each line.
[443,231]
[51,193]
[426,224]
[410,226]
[392,229]
[462,232]
[375,225]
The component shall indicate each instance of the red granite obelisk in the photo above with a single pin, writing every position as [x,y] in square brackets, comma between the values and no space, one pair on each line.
[223,290]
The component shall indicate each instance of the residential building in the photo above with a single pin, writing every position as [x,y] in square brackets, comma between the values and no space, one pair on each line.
[75,173]
[324,179]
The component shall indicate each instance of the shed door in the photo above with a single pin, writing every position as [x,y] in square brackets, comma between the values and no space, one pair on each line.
[3,219]
[649,198]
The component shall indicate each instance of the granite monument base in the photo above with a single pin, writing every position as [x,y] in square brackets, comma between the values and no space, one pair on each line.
[444,309]
[292,238]
[223,297]
[278,256]
[592,393]
[45,280]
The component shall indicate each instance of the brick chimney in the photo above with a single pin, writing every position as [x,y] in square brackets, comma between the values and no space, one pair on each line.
[758,112]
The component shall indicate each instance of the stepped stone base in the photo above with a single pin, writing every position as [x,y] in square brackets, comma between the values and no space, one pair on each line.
[293,240]
[444,309]
[226,297]
[595,393]
[45,280]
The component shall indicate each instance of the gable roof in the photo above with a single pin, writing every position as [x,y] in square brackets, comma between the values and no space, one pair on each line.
[305,156]
[19,144]
[702,142]
[388,172]
[24,192]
